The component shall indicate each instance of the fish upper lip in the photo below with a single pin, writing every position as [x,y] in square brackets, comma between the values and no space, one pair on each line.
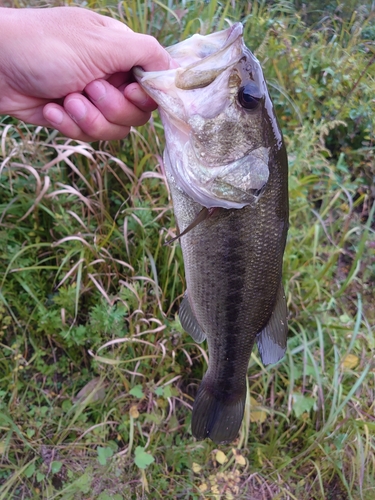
[235,32]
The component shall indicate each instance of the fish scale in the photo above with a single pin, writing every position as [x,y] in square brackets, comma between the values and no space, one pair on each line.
[226,166]
[234,298]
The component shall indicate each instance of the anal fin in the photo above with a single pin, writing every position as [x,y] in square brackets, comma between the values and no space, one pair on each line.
[189,322]
[271,340]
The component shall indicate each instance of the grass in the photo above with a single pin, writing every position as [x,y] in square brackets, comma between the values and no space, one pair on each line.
[97,377]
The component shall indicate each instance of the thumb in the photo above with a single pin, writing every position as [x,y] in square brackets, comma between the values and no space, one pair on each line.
[131,49]
[149,54]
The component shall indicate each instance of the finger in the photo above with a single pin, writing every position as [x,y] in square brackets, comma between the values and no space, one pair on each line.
[116,107]
[122,78]
[134,93]
[135,49]
[126,84]
[93,123]
[150,54]
[57,117]
[129,49]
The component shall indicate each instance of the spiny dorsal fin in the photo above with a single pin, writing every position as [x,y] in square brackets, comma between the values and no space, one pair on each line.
[189,322]
[271,340]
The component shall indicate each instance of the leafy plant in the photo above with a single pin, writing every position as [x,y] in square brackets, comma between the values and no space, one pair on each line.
[97,376]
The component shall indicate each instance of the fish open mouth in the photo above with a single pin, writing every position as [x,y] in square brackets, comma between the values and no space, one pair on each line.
[202,103]
[212,58]
[201,59]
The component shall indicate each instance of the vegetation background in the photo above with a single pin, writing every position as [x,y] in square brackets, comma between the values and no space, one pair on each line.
[97,377]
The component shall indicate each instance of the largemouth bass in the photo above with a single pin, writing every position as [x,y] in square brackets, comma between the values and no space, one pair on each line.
[226,166]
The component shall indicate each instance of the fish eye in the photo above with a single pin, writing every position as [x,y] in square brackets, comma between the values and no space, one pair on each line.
[249,96]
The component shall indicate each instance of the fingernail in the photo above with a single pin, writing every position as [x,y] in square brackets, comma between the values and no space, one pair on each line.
[96,90]
[138,96]
[76,109]
[54,116]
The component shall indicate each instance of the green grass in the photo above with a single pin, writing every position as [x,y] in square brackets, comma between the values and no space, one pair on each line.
[97,377]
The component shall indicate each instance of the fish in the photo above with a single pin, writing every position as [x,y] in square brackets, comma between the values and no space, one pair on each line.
[226,165]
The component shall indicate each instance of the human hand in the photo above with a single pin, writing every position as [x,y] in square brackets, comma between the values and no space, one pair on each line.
[70,68]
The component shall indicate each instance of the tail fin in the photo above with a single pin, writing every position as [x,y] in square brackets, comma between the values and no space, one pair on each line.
[215,417]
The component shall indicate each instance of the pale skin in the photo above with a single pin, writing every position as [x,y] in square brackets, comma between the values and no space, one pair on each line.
[70,68]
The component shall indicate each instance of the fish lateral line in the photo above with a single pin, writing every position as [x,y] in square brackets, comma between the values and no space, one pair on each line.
[204,214]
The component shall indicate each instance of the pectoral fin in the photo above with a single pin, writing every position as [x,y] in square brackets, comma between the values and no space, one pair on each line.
[204,214]
[271,340]
[189,322]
